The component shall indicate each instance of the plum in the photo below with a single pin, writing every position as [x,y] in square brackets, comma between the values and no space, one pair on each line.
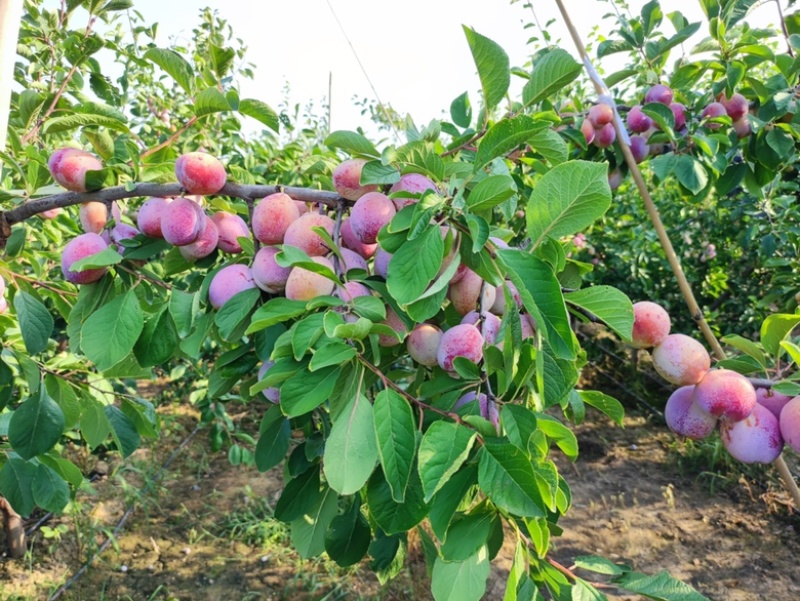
[272,394]
[414,183]
[230,227]
[685,417]
[182,221]
[272,216]
[725,393]
[304,285]
[637,121]
[149,217]
[423,343]
[465,293]
[347,179]
[200,173]
[394,321]
[755,439]
[78,248]
[463,340]
[600,115]
[370,213]
[204,245]
[267,274]
[651,324]
[350,241]
[228,282]
[681,360]
[659,93]
[774,401]
[68,166]
[790,423]
[300,234]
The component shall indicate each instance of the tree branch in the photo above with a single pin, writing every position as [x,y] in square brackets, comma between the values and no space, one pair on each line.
[15,533]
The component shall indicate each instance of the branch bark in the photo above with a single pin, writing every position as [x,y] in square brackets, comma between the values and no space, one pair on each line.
[14,529]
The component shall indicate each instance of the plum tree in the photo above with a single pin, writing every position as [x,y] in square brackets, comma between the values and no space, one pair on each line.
[200,173]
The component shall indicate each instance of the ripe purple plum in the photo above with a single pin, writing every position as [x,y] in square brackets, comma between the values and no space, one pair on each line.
[272,216]
[465,293]
[712,111]
[267,274]
[182,221]
[637,121]
[736,106]
[228,282]
[742,127]
[68,166]
[470,397]
[605,136]
[79,248]
[463,340]
[149,216]
[600,115]
[651,324]
[272,394]
[774,401]
[93,216]
[381,262]
[685,417]
[370,213]
[499,306]
[679,113]
[588,131]
[659,93]
[353,260]
[414,183]
[350,241]
[300,234]
[304,285]
[615,179]
[423,343]
[725,393]
[639,148]
[230,227]
[489,327]
[204,245]
[347,179]
[121,231]
[398,325]
[755,439]
[200,173]
[352,290]
[681,360]
[790,423]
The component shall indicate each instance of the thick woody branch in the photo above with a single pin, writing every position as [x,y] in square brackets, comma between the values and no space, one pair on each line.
[33,207]
[15,532]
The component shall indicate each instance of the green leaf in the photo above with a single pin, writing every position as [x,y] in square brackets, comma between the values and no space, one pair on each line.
[158,341]
[308,532]
[567,199]
[352,143]
[351,450]
[68,122]
[661,115]
[550,145]
[461,110]
[333,353]
[775,329]
[505,135]
[174,64]
[110,333]
[493,67]
[602,402]
[273,440]
[210,100]
[95,426]
[466,536]
[506,475]
[16,483]
[395,517]
[691,173]
[395,433]
[375,172]
[446,502]
[299,496]
[305,391]
[259,111]
[104,258]
[275,311]
[601,565]
[461,580]
[123,430]
[552,72]
[608,304]
[746,346]
[556,431]
[234,313]
[348,537]
[36,425]
[491,191]
[444,448]
[413,267]
[661,587]
[35,322]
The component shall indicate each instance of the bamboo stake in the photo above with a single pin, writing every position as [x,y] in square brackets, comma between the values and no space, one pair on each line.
[663,236]
[10,16]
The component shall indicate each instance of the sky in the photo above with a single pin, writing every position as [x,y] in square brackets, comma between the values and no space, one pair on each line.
[414,52]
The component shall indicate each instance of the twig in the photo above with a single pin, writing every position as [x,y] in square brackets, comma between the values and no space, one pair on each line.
[171,139]
[783,28]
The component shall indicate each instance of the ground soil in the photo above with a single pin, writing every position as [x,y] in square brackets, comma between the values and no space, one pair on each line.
[200,532]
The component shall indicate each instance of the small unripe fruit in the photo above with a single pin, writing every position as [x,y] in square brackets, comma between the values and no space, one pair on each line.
[304,285]
[637,121]
[463,340]
[681,360]
[149,217]
[200,173]
[600,115]
[651,324]
[685,417]
[204,245]
[347,179]
[230,228]
[423,343]
[272,216]
[659,93]
[300,234]
[415,183]
[68,166]
[725,393]
[755,439]
[228,282]
[370,213]
[78,248]
[267,274]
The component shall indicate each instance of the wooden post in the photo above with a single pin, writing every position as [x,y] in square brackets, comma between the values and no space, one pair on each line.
[10,16]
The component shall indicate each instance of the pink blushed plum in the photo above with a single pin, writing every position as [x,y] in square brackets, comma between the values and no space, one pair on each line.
[742,127]
[489,327]
[413,183]
[370,213]
[637,121]
[605,136]
[149,216]
[267,274]
[204,245]
[394,321]
[381,263]
[651,324]
[228,282]
[347,179]
[78,248]
[712,111]
[790,423]
[470,397]
[352,290]
[423,342]
[51,213]
[600,115]
[499,306]
[300,234]
[272,216]
[588,131]
[685,417]
[774,401]
[230,227]
[681,360]
[679,114]
[736,106]
[352,260]
[639,148]
[725,393]
[465,294]
[272,394]
[615,179]
[304,285]
[200,173]
[755,439]
[93,216]
[463,340]
[182,221]
[659,93]
[350,241]
[68,166]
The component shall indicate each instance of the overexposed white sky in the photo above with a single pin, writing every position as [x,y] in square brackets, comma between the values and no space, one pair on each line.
[414,51]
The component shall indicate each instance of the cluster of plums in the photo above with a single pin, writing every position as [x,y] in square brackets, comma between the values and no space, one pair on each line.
[279,220]
[754,423]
